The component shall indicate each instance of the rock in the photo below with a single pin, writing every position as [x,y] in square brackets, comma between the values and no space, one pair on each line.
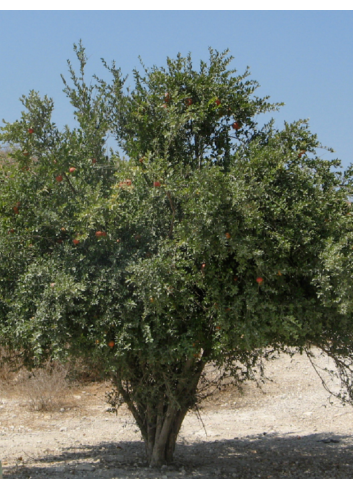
[113,458]
[86,467]
[63,428]
[329,440]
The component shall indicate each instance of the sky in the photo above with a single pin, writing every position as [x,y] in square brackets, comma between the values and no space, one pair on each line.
[303,58]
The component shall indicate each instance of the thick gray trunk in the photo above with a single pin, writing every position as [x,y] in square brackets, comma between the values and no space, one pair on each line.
[160,451]
[160,422]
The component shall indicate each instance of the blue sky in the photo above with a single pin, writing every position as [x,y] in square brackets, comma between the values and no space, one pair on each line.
[301,58]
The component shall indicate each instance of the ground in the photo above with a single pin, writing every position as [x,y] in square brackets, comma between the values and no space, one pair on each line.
[289,428]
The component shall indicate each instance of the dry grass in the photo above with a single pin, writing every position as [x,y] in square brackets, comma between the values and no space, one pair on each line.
[46,388]
[10,363]
[43,389]
[40,389]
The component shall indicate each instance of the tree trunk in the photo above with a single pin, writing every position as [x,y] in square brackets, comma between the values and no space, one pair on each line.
[160,416]
[168,421]
[161,445]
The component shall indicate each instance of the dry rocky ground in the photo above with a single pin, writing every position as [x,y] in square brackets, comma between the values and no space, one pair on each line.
[287,429]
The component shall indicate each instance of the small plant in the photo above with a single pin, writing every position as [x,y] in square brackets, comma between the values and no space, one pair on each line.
[114,399]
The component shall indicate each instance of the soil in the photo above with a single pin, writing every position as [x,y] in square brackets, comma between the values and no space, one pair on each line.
[288,428]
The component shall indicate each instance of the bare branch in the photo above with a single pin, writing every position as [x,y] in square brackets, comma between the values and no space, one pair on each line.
[68,181]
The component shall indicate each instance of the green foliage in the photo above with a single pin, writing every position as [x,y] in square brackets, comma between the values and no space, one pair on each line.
[187,228]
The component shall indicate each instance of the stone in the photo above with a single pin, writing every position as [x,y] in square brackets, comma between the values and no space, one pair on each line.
[85,467]
[113,458]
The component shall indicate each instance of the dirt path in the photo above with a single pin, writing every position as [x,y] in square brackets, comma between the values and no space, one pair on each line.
[289,429]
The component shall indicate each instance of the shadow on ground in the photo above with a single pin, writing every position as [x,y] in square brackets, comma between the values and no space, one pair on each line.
[322,455]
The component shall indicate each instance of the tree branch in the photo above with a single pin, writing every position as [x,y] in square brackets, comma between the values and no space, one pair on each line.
[132,407]
[68,181]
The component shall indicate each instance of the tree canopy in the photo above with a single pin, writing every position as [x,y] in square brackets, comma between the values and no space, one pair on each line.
[211,240]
